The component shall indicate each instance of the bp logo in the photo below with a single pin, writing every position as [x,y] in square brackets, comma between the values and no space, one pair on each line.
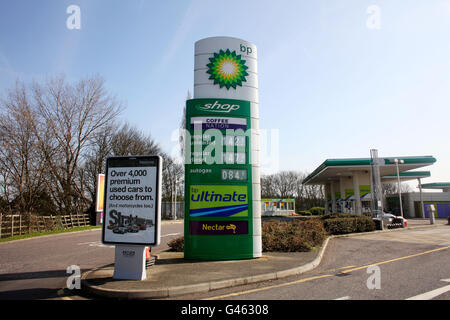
[227,69]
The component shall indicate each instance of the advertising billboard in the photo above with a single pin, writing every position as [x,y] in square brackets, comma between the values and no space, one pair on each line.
[132,200]
[100,193]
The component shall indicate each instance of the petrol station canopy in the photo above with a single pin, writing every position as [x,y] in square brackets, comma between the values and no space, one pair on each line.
[333,169]
[444,186]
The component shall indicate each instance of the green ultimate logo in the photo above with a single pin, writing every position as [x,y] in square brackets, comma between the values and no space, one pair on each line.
[218,201]
[227,69]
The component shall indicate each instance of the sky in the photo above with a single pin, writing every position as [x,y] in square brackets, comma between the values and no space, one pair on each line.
[336,78]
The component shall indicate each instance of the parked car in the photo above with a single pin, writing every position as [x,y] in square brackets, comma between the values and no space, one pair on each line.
[120,230]
[133,228]
[389,220]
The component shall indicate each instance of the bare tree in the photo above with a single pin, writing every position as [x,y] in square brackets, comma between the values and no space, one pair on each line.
[54,140]
[115,140]
[95,159]
[173,177]
[22,171]
[182,136]
[392,188]
[268,186]
[289,184]
[286,183]
[129,140]
[66,119]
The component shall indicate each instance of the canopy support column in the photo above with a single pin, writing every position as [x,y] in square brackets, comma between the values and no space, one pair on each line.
[357,193]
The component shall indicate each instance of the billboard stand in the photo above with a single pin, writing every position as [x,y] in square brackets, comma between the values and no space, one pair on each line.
[132,212]
[129,262]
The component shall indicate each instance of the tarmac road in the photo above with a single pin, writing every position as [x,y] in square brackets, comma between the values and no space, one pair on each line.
[412,264]
[35,268]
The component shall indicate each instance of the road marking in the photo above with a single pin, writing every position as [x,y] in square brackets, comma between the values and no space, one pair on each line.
[324,276]
[396,259]
[401,239]
[347,267]
[268,288]
[61,292]
[343,298]
[433,293]
[170,234]
[95,244]
[412,237]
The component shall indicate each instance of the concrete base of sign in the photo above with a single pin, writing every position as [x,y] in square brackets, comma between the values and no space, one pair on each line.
[129,262]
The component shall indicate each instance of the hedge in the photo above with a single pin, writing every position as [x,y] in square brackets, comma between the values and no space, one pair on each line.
[176,244]
[317,211]
[302,235]
[292,236]
[343,225]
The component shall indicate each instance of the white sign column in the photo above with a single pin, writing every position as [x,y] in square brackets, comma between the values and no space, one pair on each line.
[248,91]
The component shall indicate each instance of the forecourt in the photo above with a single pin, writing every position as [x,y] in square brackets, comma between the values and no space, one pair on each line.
[348,182]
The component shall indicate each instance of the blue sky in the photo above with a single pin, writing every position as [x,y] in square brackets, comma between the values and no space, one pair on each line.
[331,86]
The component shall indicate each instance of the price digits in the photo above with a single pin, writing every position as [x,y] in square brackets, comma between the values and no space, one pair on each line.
[234,175]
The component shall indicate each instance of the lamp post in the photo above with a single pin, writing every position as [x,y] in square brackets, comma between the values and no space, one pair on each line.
[397,161]
[174,203]
[422,208]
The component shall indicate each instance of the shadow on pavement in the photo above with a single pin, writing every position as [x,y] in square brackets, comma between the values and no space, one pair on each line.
[33,275]
[29,294]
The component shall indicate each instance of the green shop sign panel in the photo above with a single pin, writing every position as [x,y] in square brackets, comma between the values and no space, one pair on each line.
[218,180]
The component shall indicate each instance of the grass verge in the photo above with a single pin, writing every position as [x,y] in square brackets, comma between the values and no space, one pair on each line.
[44,233]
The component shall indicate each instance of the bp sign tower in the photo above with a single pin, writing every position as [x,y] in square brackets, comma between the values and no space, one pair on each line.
[222,182]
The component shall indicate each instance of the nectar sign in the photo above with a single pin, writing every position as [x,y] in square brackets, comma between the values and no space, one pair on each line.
[222,181]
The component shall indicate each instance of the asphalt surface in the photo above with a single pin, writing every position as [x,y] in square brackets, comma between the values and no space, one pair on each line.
[410,262]
[36,268]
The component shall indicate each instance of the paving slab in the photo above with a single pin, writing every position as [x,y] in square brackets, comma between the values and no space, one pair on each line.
[172,275]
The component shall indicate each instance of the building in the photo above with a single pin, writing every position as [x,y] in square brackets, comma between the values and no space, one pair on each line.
[412,201]
[276,207]
[348,184]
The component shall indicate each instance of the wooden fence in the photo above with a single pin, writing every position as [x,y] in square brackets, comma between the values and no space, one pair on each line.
[12,225]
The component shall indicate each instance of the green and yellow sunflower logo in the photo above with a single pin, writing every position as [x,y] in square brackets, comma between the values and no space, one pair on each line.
[227,69]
